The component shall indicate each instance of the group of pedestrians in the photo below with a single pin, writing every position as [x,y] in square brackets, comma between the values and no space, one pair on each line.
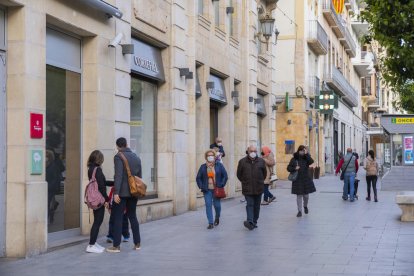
[348,166]
[121,205]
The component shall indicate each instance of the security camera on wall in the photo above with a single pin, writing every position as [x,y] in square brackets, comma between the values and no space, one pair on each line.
[116,40]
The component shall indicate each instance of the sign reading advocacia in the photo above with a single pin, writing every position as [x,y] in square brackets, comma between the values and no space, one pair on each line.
[401,121]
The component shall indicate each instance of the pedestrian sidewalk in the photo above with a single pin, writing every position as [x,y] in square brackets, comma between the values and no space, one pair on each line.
[336,237]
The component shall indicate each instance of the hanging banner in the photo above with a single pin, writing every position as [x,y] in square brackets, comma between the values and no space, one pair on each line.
[338,5]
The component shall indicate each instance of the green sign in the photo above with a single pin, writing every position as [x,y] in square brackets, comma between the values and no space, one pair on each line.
[37,161]
[326,102]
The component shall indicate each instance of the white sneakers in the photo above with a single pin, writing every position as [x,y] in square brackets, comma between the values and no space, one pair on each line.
[96,248]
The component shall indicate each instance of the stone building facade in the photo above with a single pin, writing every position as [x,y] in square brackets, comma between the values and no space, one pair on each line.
[169,75]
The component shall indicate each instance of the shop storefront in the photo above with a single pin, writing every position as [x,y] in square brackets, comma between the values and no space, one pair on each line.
[398,146]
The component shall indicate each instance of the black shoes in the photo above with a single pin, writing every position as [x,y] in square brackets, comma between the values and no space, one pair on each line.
[306,210]
[299,214]
[248,225]
[210,226]
[216,222]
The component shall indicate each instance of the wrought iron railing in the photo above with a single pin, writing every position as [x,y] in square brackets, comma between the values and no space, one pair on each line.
[317,32]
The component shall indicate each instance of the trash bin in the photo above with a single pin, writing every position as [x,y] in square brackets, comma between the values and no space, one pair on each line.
[317,172]
[311,171]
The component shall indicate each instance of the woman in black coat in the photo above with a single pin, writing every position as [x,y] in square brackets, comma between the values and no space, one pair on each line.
[303,185]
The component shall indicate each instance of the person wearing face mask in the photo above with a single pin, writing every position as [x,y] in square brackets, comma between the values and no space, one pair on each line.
[209,175]
[218,144]
[251,171]
[303,185]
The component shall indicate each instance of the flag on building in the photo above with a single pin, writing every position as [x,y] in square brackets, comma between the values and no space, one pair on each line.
[338,5]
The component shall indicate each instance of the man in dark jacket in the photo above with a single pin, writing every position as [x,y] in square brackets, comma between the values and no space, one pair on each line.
[218,144]
[251,172]
[122,195]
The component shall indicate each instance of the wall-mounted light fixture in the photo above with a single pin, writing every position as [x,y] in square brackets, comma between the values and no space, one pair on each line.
[127,49]
[267,23]
[277,33]
[230,10]
[210,85]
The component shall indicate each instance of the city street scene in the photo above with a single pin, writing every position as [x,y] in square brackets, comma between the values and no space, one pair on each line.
[198,137]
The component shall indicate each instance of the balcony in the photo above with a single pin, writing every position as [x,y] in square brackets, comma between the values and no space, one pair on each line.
[349,43]
[317,38]
[360,28]
[342,87]
[314,86]
[333,19]
[362,63]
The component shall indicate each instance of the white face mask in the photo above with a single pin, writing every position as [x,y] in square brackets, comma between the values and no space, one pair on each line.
[253,155]
[210,159]
[219,144]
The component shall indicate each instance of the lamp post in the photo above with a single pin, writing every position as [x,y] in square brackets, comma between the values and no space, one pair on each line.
[267,23]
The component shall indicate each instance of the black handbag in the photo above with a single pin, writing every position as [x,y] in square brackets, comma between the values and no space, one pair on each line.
[343,172]
[293,175]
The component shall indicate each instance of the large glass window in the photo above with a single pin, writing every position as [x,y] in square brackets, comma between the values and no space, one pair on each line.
[143,128]
[217,13]
[213,122]
[63,134]
[259,132]
[397,150]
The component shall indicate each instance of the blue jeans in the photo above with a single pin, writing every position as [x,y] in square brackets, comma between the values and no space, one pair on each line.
[349,179]
[253,207]
[118,212]
[266,193]
[210,200]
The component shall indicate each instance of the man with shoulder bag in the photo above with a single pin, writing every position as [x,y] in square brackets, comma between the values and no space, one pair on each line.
[122,194]
[348,166]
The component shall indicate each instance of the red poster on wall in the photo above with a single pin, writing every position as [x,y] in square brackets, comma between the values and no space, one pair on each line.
[36,125]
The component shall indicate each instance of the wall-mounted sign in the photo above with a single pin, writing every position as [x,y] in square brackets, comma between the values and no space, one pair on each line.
[36,125]
[408,150]
[218,93]
[289,146]
[147,60]
[36,161]
[402,120]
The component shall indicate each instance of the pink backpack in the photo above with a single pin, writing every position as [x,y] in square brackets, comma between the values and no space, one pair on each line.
[93,197]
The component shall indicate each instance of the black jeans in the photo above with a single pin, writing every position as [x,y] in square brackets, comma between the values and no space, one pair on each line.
[253,207]
[118,209]
[371,179]
[98,216]
[125,226]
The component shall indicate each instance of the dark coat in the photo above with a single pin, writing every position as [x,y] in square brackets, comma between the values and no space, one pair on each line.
[53,178]
[100,178]
[304,183]
[251,174]
[121,177]
[220,173]
[221,149]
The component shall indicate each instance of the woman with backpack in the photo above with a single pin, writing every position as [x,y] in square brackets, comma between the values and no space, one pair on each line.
[95,172]
[371,166]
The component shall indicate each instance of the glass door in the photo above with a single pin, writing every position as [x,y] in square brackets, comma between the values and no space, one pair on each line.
[63,143]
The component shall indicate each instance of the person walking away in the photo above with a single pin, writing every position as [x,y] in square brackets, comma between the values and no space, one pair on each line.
[251,171]
[218,144]
[211,174]
[95,162]
[349,165]
[371,166]
[269,159]
[303,185]
[122,195]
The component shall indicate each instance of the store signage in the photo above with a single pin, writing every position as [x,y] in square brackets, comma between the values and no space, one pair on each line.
[218,93]
[147,60]
[36,126]
[400,121]
[408,150]
[37,162]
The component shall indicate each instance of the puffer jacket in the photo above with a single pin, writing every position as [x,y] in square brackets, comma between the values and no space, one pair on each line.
[303,185]
[371,166]
[251,174]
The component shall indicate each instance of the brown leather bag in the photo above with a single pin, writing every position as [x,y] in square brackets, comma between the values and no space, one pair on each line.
[137,187]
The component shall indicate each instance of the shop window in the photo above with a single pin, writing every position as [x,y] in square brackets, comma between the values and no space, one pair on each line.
[217,13]
[143,128]
[213,122]
[260,120]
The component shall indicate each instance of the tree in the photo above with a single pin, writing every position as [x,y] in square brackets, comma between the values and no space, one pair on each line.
[392,24]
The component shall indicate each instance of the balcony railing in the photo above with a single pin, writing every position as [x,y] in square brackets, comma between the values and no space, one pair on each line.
[333,19]
[317,38]
[349,43]
[314,86]
[340,84]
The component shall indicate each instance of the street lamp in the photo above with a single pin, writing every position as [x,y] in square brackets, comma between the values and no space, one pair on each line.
[267,23]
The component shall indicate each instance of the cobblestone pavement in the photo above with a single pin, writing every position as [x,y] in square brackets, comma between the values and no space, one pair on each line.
[336,237]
